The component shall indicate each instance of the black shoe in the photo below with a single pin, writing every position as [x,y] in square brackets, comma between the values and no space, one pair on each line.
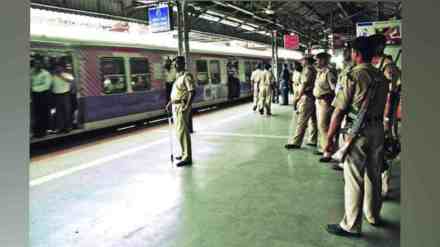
[292,146]
[254,108]
[378,223]
[311,144]
[318,153]
[336,167]
[326,159]
[184,163]
[261,112]
[269,114]
[178,157]
[337,230]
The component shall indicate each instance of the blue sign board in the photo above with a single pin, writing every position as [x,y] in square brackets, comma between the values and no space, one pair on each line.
[159,19]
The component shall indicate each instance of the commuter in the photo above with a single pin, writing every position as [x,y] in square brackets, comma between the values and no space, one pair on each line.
[385,64]
[324,92]
[305,106]
[266,86]
[364,159]
[170,77]
[284,85]
[61,90]
[41,82]
[256,77]
[182,94]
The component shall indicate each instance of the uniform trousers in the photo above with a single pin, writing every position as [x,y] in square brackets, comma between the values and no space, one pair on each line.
[323,115]
[265,99]
[256,92]
[362,169]
[306,116]
[182,131]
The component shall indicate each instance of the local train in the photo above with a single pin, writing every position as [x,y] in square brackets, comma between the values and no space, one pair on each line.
[121,80]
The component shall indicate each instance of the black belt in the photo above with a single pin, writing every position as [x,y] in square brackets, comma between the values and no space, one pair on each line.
[368,120]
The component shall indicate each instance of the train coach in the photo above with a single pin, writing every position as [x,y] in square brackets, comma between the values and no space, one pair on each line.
[119,76]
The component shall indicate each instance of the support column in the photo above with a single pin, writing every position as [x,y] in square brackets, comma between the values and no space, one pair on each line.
[275,54]
[186,23]
[183,29]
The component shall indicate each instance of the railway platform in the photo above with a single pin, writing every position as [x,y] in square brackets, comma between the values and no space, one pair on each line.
[243,189]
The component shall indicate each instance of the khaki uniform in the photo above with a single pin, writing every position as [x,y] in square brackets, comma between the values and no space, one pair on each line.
[392,74]
[306,108]
[256,77]
[180,94]
[342,79]
[323,91]
[296,82]
[265,91]
[364,160]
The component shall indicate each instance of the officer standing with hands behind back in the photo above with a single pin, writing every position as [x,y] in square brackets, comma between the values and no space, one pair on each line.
[182,94]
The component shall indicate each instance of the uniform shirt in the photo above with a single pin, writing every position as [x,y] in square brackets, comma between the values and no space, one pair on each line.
[183,85]
[307,80]
[353,90]
[325,82]
[256,76]
[170,75]
[296,79]
[343,76]
[267,78]
[60,85]
[40,81]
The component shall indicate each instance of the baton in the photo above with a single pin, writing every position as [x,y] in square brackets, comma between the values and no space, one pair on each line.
[170,126]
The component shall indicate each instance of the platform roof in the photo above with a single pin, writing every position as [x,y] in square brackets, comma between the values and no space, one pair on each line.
[313,21]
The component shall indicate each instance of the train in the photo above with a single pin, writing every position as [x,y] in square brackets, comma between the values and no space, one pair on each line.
[119,74]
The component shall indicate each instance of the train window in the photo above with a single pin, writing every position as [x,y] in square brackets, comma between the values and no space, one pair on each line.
[247,71]
[113,75]
[140,74]
[214,67]
[202,72]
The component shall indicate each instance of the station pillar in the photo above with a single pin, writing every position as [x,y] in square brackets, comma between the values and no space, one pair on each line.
[275,68]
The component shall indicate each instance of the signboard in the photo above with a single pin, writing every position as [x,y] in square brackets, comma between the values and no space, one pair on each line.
[291,41]
[159,19]
[391,30]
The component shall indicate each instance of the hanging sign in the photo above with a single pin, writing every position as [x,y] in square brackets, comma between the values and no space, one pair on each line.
[291,41]
[159,19]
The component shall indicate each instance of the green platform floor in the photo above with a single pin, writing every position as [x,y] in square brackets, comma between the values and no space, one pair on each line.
[244,189]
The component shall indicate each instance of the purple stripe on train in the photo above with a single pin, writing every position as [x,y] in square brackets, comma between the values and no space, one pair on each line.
[98,108]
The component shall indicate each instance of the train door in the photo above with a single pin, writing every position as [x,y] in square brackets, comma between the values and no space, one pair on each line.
[46,123]
[202,78]
[214,68]
[233,81]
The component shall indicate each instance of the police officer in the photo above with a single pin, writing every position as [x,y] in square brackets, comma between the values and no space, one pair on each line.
[364,159]
[304,103]
[41,82]
[323,91]
[182,94]
[256,77]
[296,79]
[347,66]
[266,85]
[391,72]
